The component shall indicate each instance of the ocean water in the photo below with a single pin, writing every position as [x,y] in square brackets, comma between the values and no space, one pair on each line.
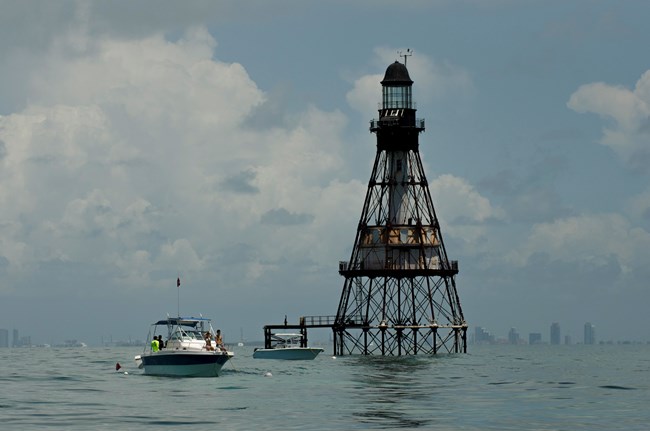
[601,387]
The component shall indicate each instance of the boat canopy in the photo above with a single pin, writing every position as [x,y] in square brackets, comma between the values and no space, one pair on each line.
[186,321]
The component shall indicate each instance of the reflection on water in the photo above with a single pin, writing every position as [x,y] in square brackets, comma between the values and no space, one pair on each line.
[392,392]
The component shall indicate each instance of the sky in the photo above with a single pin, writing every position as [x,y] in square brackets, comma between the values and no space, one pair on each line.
[226,143]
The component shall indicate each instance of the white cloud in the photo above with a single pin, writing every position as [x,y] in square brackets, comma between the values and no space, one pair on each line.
[628,109]
[180,253]
[589,238]
[134,156]
[461,201]
[169,85]
[366,94]
[464,213]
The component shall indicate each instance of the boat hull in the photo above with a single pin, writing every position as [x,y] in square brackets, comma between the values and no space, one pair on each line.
[293,354]
[184,364]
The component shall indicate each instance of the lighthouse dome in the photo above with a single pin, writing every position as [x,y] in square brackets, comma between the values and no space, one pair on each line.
[396,75]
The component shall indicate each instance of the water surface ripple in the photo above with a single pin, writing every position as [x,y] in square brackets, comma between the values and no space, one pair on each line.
[578,387]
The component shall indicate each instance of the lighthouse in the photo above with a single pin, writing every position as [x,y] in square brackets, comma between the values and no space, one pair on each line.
[399,296]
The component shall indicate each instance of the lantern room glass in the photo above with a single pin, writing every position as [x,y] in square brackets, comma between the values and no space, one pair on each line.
[396,97]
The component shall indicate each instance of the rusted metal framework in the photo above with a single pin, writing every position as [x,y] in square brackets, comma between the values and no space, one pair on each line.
[399,296]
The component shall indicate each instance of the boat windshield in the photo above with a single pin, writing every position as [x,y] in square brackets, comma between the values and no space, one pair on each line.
[286,340]
[185,334]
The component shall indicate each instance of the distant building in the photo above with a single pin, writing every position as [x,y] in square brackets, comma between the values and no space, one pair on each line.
[481,336]
[534,338]
[4,338]
[567,339]
[513,336]
[25,341]
[555,333]
[17,341]
[590,333]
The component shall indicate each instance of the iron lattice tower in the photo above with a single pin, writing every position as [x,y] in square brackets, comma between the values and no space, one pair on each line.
[399,296]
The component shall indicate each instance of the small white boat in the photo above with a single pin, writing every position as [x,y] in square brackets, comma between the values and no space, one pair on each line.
[287,346]
[186,353]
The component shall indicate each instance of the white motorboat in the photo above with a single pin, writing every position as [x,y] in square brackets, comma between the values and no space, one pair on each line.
[186,352]
[287,346]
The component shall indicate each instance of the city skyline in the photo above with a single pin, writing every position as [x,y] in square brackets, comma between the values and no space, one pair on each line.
[555,337]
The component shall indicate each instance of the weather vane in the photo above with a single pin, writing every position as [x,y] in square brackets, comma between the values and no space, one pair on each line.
[408,53]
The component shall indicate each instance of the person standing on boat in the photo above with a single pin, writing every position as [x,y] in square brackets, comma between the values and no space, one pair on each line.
[161,343]
[154,344]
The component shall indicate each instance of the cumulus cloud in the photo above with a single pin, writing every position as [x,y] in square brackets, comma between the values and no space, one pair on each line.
[629,113]
[461,202]
[366,94]
[590,239]
[135,156]
[465,215]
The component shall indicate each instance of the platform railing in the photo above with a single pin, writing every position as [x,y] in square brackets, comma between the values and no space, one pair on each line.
[317,321]
[445,265]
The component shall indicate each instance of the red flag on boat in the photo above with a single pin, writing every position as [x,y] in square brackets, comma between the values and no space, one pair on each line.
[178,282]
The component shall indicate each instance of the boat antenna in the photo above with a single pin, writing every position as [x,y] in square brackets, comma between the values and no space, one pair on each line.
[178,288]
